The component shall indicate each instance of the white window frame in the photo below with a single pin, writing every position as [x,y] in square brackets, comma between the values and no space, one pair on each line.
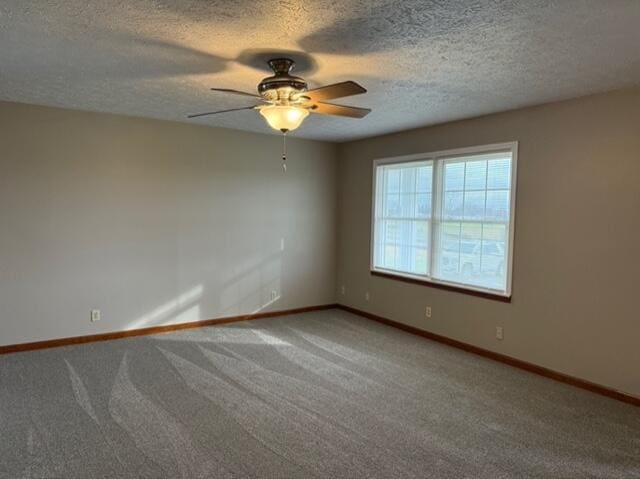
[436,157]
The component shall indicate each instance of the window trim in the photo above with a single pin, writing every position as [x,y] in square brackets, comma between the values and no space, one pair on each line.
[443,155]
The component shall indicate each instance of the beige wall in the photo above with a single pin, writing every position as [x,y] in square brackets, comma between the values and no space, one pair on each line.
[576,276]
[154,223]
[157,222]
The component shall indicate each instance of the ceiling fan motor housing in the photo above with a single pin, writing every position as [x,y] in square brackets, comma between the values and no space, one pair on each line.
[281,80]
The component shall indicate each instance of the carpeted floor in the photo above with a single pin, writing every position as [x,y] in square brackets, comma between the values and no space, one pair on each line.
[325,394]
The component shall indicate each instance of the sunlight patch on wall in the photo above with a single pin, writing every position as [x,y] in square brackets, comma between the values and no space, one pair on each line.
[180,309]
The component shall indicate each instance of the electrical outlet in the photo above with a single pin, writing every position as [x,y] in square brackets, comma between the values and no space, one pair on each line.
[499,333]
[95,315]
[343,290]
[281,244]
[367,296]
[427,312]
[274,295]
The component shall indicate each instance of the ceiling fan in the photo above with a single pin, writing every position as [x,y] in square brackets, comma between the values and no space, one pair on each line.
[285,101]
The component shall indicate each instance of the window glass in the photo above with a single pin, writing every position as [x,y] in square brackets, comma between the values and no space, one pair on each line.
[455,229]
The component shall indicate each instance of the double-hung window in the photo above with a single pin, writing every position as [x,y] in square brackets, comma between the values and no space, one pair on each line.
[447,217]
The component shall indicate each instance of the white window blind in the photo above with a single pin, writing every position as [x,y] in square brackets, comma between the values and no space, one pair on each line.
[447,217]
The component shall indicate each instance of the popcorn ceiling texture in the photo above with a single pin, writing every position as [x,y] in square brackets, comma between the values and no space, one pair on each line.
[423,62]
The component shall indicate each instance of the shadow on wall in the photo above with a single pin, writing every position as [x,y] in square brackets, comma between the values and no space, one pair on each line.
[255,289]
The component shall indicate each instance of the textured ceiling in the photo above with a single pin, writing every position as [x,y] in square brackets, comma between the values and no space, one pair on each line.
[423,61]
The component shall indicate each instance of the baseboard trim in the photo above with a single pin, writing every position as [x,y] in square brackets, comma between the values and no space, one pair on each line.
[502,358]
[56,343]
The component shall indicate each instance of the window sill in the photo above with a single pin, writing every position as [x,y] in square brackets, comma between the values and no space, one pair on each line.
[444,286]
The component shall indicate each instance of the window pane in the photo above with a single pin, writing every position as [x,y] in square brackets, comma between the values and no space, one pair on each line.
[470,250]
[471,231]
[392,206]
[406,232]
[454,176]
[421,260]
[498,205]
[425,181]
[470,240]
[474,205]
[473,254]
[406,205]
[389,256]
[419,252]
[449,257]
[452,205]
[421,233]
[391,234]
[476,175]
[393,181]
[494,243]
[423,205]
[408,184]
[403,260]
[499,173]
[495,232]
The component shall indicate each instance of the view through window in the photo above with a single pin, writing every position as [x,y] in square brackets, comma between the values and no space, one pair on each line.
[447,217]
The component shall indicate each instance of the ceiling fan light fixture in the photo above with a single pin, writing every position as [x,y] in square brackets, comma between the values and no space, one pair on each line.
[284,117]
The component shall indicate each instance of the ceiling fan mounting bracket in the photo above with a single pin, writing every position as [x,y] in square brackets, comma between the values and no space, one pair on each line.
[282,77]
[281,66]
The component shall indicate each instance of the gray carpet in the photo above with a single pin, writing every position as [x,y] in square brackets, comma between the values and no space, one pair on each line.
[325,394]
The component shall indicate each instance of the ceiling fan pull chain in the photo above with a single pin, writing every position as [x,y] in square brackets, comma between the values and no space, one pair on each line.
[284,151]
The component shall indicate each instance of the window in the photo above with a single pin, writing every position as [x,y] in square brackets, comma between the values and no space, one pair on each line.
[447,217]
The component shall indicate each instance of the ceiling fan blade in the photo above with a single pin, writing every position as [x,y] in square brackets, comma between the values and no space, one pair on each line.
[222,111]
[237,92]
[337,90]
[339,110]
